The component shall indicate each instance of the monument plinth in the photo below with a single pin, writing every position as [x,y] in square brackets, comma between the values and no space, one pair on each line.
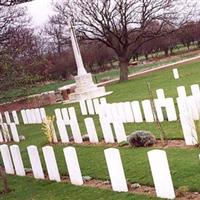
[85,87]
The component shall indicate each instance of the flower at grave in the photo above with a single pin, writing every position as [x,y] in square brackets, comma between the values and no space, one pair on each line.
[48,128]
[141,139]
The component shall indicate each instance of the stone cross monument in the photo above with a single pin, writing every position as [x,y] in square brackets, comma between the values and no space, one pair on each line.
[85,87]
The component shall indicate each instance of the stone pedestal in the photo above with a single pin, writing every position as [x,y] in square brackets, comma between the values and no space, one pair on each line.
[86,89]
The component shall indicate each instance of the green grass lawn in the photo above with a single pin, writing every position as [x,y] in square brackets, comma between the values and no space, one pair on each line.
[184,163]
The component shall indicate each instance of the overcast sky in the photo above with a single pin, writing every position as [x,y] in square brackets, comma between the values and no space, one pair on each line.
[40,10]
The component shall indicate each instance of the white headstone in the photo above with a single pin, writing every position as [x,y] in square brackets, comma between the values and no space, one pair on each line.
[96,105]
[158,106]
[120,110]
[128,112]
[103,101]
[83,107]
[7,161]
[196,94]
[148,112]
[175,73]
[160,94]
[90,106]
[170,109]
[114,112]
[193,109]
[62,131]
[65,116]
[137,111]
[119,131]
[24,117]
[1,137]
[115,169]
[58,114]
[15,117]
[35,162]
[72,113]
[33,117]
[161,174]
[76,131]
[7,116]
[6,133]
[188,128]
[51,164]
[38,116]
[73,166]
[14,132]
[181,91]
[107,130]
[91,130]
[43,114]
[29,116]
[17,160]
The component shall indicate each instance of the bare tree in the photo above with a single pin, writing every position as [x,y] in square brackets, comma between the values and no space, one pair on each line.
[123,25]
[12,2]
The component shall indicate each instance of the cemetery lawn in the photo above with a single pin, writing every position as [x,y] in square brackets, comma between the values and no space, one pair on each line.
[184,162]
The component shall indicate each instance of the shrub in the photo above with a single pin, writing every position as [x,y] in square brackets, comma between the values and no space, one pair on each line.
[141,139]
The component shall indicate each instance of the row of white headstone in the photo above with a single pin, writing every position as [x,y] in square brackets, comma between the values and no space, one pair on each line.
[8,133]
[33,116]
[6,118]
[159,166]
[128,112]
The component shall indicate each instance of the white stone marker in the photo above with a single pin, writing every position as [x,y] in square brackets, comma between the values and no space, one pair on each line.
[43,114]
[7,116]
[15,117]
[38,116]
[181,91]
[96,105]
[114,112]
[24,117]
[72,113]
[90,106]
[83,107]
[107,131]
[73,166]
[182,105]
[1,137]
[128,112]
[65,116]
[119,131]
[120,110]
[91,130]
[196,94]
[28,115]
[51,164]
[35,162]
[175,73]
[189,130]
[148,112]
[58,114]
[33,117]
[136,111]
[115,169]
[161,174]
[7,161]
[192,107]
[170,109]
[14,132]
[1,118]
[6,133]
[158,106]
[160,94]
[17,160]
[76,131]
[63,131]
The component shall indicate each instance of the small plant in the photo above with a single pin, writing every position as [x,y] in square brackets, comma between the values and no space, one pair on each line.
[141,139]
[181,191]
[48,129]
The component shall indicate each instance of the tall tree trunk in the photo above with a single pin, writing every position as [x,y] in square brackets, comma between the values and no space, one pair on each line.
[123,65]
